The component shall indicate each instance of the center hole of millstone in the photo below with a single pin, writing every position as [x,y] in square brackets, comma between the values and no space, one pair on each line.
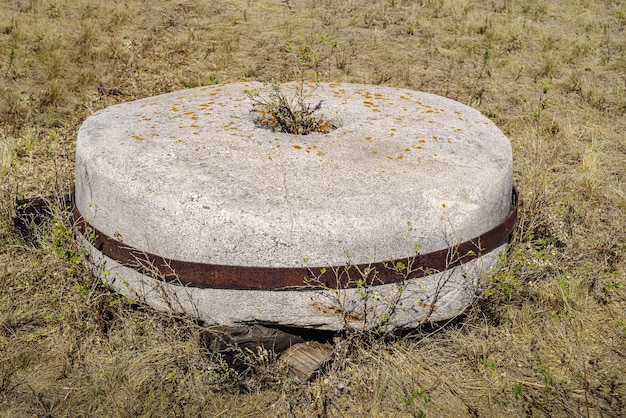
[293,115]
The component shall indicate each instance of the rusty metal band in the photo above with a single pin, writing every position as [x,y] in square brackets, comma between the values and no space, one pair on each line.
[276,278]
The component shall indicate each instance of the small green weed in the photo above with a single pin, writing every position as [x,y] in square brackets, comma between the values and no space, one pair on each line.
[417,402]
[315,53]
[507,281]
[63,246]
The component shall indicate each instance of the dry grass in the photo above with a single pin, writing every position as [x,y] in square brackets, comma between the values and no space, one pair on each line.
[548,338]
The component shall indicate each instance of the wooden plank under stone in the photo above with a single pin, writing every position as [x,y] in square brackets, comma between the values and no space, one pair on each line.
[306,360]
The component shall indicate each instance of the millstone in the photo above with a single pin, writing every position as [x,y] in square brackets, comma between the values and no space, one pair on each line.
[395,218]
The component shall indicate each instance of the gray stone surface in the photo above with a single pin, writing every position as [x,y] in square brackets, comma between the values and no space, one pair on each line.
[188,176]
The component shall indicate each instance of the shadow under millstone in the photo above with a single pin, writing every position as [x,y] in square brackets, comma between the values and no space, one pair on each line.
[305,353]
[32,213]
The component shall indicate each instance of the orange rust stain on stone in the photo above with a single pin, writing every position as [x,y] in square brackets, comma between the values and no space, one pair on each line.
[297,146]
[334,310]
[138,138]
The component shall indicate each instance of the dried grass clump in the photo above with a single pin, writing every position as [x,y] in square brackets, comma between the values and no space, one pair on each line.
[292,116]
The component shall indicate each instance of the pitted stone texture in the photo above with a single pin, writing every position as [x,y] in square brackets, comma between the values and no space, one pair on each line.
[188,176]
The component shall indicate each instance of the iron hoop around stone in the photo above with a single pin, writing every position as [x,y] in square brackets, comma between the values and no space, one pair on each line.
[203,275]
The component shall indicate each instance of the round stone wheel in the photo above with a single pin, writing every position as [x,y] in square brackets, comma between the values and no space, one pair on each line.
[394,218]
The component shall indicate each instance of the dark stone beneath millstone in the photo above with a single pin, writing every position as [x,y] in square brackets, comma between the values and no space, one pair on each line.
[233,344]
[239,346]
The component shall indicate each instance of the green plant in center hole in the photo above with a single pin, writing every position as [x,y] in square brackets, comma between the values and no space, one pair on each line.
[294,116]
